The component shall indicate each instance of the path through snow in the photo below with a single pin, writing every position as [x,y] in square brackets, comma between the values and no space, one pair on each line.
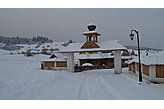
[22,78]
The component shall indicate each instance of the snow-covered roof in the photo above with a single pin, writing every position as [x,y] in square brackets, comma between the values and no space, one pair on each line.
[157,58]
[112,45]
[104,46]
[89,32]
[60,57]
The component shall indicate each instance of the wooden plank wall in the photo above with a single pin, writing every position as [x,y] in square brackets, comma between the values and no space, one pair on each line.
[48,64]
[61,64]
[160,71]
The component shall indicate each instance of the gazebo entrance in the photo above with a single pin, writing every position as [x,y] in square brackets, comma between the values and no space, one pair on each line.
[117,62]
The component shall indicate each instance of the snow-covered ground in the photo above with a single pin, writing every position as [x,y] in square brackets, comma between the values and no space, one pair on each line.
[38,48]
[4,52]
[22,78]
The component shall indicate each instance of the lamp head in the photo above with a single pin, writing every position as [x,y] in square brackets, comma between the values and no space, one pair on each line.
[131,36]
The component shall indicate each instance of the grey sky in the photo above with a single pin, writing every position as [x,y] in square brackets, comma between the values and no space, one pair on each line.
[66,24]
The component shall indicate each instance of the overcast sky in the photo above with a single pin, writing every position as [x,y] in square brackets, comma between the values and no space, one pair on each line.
[66,24]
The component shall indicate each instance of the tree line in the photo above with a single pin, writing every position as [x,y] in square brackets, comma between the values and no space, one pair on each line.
[20,40]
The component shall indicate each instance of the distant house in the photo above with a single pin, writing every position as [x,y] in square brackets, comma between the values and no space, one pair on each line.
[54,62]
[152,67]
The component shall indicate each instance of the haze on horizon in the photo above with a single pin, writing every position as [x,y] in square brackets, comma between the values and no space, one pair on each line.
[69,23]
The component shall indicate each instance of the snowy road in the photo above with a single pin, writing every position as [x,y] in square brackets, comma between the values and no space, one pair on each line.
[22,78]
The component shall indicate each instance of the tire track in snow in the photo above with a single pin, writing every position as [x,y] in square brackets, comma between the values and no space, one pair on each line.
[82,89]
[129,78]
[103,88]
[110,92]
[83,92]
[121,84]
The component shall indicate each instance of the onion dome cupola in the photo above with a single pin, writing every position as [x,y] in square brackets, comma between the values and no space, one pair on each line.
[91,27]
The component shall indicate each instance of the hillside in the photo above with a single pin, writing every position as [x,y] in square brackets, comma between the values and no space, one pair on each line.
[22,40]
[142,48]
[4,52]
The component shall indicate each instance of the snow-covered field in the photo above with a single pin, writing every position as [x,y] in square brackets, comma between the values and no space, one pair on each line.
[22,78]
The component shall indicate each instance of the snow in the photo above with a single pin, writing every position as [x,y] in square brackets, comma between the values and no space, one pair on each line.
[112,45]
[60,57]
[104,46]
[87,64]
[1,44]
[4,52]
[153,59]
[37,48]
[22,78]
[89,32]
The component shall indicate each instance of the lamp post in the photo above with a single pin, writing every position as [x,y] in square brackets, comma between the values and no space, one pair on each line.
[132,37]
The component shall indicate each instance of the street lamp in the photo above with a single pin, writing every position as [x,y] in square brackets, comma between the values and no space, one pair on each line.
[132,37]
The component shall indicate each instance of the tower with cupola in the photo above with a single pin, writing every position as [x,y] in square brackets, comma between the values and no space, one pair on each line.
[91,37]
